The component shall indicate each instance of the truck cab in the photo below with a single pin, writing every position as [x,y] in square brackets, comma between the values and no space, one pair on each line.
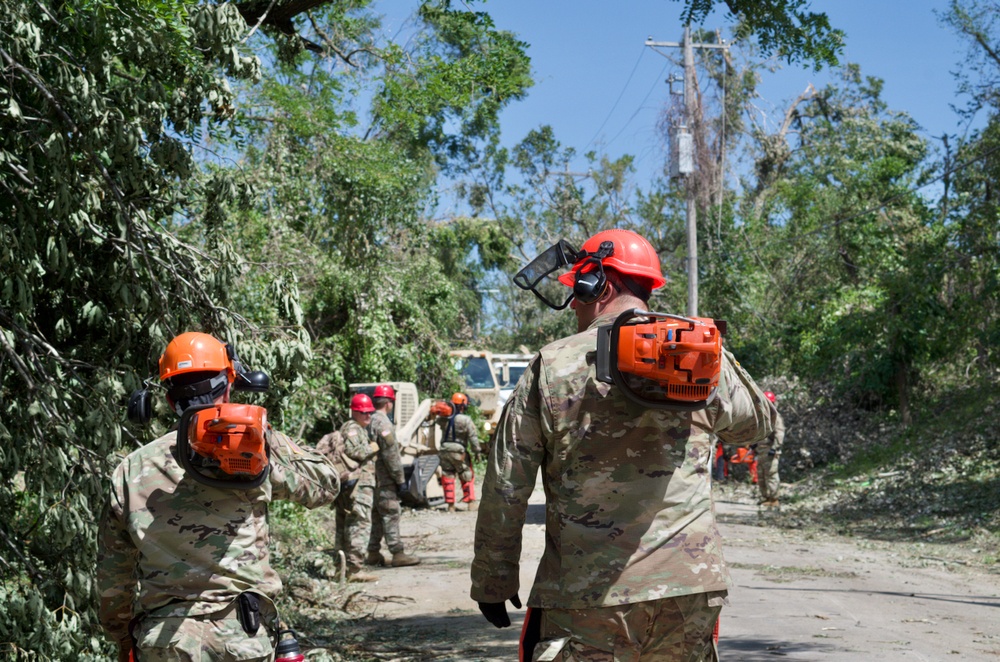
[480,383]
[508,369]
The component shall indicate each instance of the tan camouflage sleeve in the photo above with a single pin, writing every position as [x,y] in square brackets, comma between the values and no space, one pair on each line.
[779,432]
[301,475]
[747,415]
[117,568]
[511,470]
[472,437]
[388,451]
[357,445]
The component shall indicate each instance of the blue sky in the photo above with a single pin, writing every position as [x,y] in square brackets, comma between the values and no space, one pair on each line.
[599,86]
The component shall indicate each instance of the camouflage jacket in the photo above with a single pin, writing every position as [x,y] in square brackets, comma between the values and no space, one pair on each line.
[461,436]
[171,545]
[628,514]
[774,440]
[361,449]
[388,466]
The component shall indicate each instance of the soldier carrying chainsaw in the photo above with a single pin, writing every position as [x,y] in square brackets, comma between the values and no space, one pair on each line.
[183,562]
[619,419]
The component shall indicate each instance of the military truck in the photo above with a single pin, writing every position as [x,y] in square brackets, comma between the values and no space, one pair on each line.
[480,384]
[508,369]
[417,438]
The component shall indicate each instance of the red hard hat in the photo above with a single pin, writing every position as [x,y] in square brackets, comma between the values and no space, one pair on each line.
[633,256]
[384,391]
[770,396]
[460,399]
[362,403]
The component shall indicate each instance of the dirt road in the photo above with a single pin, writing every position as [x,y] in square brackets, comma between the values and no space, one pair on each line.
[798,595]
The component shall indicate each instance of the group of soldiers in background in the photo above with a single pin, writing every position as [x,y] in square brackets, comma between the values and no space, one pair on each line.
[761,460]
[369,503]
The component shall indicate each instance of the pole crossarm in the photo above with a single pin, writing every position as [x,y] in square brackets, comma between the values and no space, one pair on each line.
[677,44]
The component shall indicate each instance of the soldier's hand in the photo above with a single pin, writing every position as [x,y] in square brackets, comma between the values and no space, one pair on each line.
[496,612]
[400,489]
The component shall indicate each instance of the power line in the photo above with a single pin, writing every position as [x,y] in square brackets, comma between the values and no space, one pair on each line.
[641,103]
[620,95]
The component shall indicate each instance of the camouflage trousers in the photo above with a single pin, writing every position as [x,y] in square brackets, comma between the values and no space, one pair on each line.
[669,630]
[216,637]
[767,475]
[455,463]
[353,510]
[385,520]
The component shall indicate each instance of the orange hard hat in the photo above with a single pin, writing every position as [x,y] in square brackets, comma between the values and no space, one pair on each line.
[632,256]
[384,391]
[460,399]
[770,396]
[196,352]
[362,403]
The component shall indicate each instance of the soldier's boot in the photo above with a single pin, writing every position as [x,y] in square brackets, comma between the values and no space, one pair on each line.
[374,558]
[448,485]
[401,559]
[469,494]
[770,503]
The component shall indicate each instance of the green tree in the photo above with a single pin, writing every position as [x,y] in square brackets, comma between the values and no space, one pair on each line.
[784,27]
[102,104]
[838,267]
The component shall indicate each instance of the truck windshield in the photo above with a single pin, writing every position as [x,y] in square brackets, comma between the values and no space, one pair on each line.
[477,372]
[515,374]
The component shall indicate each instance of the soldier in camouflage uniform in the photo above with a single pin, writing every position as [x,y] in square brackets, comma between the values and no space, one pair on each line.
[633,566]
[176,557]
[768,454]
[390,483]
[354,504]
[458,440]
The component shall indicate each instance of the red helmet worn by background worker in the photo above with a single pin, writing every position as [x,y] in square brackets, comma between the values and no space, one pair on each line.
[632,256]
[460,399]
[362,403]
[384,391]
[770,396]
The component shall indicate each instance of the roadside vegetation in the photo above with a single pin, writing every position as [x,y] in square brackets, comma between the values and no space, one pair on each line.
[275,172]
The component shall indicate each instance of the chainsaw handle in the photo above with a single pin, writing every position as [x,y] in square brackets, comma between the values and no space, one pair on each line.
[235,420]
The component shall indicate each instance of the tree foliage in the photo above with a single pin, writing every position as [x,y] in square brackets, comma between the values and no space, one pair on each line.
[784,27]
[159,176]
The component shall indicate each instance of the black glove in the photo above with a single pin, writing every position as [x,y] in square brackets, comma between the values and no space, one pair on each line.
[400,489]
[496,612]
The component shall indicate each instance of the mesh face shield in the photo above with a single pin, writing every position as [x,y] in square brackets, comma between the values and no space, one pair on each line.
[556,257]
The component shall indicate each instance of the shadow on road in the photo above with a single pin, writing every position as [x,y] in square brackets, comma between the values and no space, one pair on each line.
[535,514]
[759,649]
[466,637]
[978,600]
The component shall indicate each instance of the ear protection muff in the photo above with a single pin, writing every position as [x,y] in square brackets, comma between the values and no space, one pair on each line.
[140,407]
[255,382]
[590,286]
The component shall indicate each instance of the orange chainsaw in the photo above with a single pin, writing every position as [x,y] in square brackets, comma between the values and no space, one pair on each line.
[229,437]
[660,360]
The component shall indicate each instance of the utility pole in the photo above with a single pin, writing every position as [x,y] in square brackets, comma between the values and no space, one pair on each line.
[683,157]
